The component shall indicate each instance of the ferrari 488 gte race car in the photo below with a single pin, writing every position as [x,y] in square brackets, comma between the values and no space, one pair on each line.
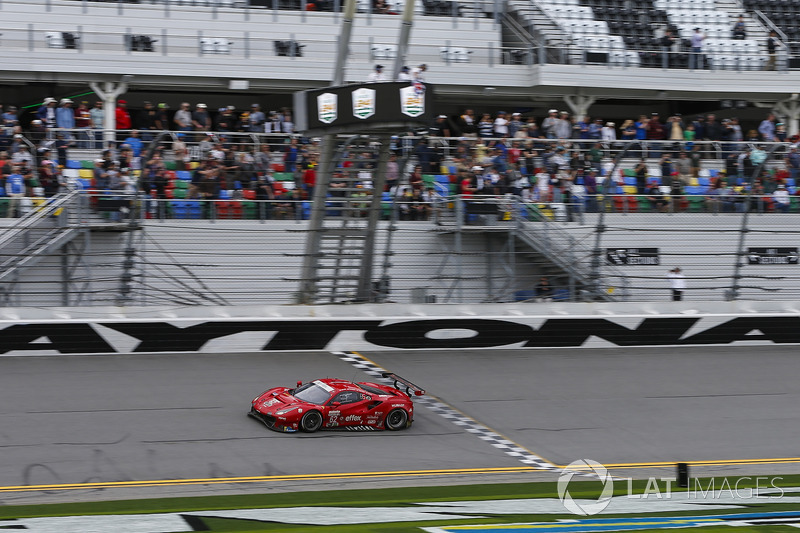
[338,404]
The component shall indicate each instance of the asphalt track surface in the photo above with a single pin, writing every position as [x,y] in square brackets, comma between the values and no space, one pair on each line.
[97,419]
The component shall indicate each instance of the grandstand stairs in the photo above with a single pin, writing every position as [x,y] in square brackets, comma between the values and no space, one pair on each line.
[48,229]
[342,245]
[541,241]
[542,28]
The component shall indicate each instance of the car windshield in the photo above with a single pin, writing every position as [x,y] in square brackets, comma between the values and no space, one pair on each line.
[315,392]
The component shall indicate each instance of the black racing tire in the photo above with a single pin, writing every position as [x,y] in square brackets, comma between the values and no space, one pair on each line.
[311,422]
[396,420]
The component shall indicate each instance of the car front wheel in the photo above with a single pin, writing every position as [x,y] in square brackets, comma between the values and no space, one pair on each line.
[311,421]
[396,419]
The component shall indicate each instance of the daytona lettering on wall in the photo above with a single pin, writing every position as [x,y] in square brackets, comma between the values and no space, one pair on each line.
[307,335]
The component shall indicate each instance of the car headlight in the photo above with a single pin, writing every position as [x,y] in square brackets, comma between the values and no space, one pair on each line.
[284,411]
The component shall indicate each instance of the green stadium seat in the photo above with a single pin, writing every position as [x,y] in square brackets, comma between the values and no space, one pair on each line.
[283,176]
[170,165]
[179,194]
[696,204]
[644,204]
[86,163]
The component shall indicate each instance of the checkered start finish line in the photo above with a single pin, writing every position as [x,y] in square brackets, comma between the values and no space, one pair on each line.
[442,409]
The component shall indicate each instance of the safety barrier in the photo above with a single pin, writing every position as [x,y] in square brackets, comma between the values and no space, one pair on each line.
[387,327]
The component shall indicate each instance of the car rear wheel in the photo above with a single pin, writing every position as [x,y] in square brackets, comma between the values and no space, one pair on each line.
[311,421]
[396,419]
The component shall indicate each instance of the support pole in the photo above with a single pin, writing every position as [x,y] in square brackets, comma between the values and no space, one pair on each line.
[579,104]
[790,108]
[364,293]
[308,282]
[733,294]
[344,42]
[405,35]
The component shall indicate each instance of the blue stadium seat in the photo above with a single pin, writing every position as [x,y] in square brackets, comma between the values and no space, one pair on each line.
[441,178]
[442,188]
[713,172]
[560,295]
[224,194]
[72,163]
[705,182]
[183,175]
[790,182]
[630,180]
[85,183]
[522,296]
[694,189]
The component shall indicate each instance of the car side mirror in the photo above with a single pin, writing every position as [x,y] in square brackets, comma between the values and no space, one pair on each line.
[335,404]
[299,383]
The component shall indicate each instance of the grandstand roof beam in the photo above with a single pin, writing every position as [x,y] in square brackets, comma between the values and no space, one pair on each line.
[108,94]
[790,109]
[579,104]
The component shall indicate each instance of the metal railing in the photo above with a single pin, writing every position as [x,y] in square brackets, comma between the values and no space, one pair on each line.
[244,45]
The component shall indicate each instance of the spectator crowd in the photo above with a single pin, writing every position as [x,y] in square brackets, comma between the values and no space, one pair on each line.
[558,159]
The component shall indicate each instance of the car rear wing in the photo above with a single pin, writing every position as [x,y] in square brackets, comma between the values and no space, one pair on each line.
[408,385]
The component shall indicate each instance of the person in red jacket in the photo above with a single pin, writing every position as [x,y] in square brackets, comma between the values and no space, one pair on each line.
[123,119]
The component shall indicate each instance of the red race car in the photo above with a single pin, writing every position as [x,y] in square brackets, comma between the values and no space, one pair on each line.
[338,404]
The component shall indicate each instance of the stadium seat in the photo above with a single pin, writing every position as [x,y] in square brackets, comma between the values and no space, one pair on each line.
[524,295]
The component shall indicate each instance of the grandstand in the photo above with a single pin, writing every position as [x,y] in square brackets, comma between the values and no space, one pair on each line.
[584,56]
[526,49]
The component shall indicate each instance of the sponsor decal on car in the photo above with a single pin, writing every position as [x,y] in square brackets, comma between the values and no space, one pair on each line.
[323,386]
[352,418]
[398,405]
[269,403]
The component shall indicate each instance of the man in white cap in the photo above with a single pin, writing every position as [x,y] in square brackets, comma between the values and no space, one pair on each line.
[47,112]
[201,120]
[65,117]
[377,75]
[549,124]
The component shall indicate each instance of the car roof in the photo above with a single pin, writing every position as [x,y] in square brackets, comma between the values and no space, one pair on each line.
[343,385]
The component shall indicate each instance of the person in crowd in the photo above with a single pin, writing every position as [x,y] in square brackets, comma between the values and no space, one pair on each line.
[772,51]
[782,199]
[544,291]
[739,31]
[122,118]
[696,55]
[377,75]
[677,282]
[656,197]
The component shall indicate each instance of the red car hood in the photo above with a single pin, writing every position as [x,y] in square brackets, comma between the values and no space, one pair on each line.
[276,399]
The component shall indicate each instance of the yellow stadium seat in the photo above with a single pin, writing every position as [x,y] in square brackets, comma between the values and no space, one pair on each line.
[193,165]
[694,183]
[629,189]
[86,173]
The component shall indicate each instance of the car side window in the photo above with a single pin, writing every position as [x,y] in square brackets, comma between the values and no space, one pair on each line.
[347,397]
